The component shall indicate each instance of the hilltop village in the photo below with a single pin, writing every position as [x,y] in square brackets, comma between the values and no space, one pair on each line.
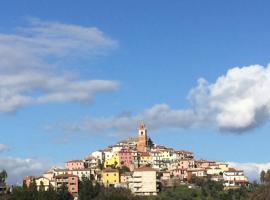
[139,165]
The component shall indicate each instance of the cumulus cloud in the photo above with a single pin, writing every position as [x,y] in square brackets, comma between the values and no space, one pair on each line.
[252,170]
[236,102]
[4,148]
[17,167]
[32,60]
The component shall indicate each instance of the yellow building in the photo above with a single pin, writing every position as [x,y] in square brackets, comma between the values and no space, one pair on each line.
[113,161]
[42,181]
[110,177]
[223,166]
[165,154]
[145,158]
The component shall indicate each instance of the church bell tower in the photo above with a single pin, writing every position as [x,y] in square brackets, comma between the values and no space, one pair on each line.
[142,138]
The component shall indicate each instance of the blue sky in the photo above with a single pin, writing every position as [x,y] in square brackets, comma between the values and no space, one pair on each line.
[151,52]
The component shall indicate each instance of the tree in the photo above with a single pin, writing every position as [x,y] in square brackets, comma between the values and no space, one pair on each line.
[262,176]
[33,190]
[124,169]
[88,190]
[50,193]
[150,143]
[3,176]
[267,177]
[63,193]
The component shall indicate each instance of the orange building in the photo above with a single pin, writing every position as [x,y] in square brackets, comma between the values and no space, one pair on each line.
[71,181]
[142,139]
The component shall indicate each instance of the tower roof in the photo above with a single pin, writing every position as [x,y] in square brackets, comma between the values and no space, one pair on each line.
[142,126]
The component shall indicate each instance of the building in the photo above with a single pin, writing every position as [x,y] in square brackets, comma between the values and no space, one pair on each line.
[74,164]
[157,162]
[87,173]
[71,181]
[91,162]
[27,180]
[49,174]
[198,172]
[126,157]
[234,178]
[223,166]
[142,143]
[204,163]
[114,161]
[124,178]
[110,177]
[144,181]
[145,158]
[99,155]
[214,170]
[42,182]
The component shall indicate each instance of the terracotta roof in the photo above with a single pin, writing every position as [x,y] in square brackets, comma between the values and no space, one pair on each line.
[144,154]
[205,161]
[196,169]
[184,152]
[90,157]
[240,181]
[41,177]
[70,161]
[233,170]
[65,176]
[142,169]
[110,170]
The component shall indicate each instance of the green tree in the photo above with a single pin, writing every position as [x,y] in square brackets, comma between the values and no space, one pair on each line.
[33,190]
[63,193]
[262,176]
[88,190]
[50,194]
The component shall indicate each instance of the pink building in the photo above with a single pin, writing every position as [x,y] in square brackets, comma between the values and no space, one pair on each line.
[74,164]
[27,180]
[124,177]
[126,157]
[198,172]
[71,181]
[204,163]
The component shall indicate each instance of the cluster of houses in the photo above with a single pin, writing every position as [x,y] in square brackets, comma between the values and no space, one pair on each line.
[140,165]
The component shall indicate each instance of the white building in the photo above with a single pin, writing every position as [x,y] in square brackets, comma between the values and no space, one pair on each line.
[99,155]
[108,154]
[88,173]
[234,178]
[144,181]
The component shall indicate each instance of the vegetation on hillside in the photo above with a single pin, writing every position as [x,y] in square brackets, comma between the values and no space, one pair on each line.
[199,189]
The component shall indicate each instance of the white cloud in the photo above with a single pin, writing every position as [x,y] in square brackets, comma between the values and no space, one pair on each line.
[241,98]
[4,148]
[252,170]
[236,102]
[32,58]
[15,89]
[157,117]
[17,168]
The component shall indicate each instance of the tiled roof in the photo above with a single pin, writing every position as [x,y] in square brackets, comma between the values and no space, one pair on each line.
[65,176]
[233,170]
[142,169]
[90,157]
[70,161]
[110,170]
